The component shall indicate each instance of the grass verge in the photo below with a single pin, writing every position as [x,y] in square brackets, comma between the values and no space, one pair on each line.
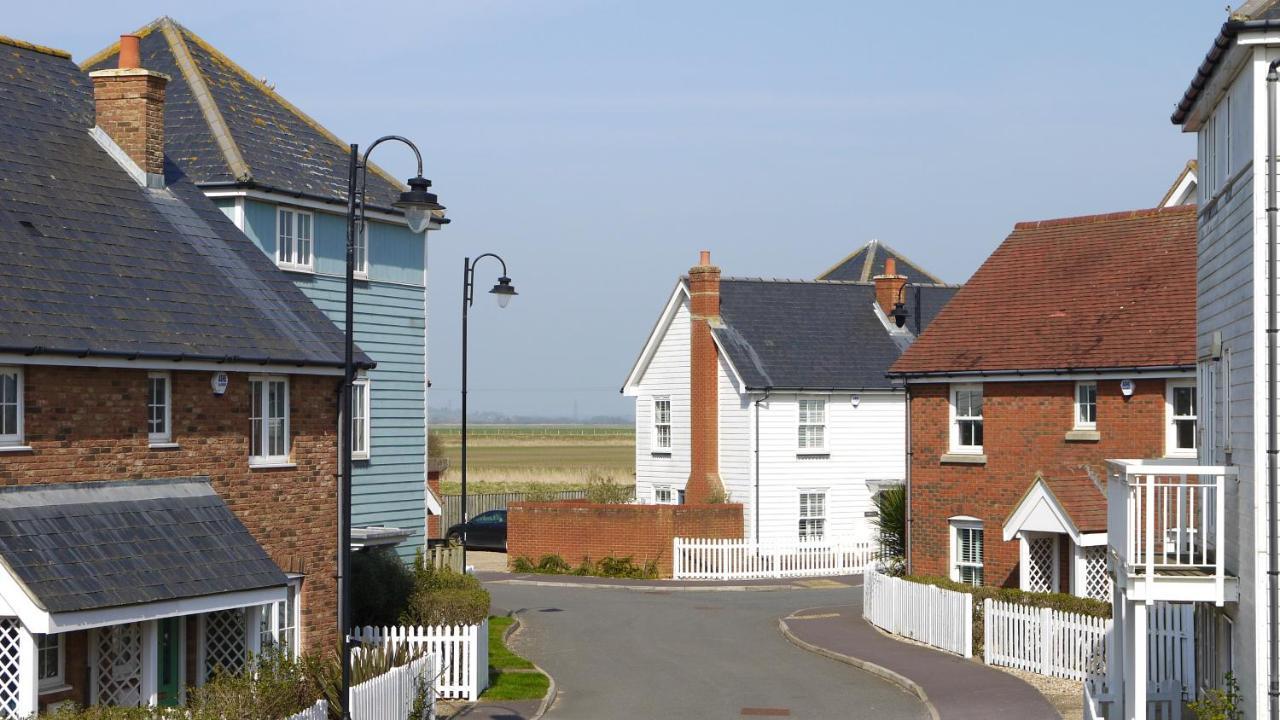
[511,677]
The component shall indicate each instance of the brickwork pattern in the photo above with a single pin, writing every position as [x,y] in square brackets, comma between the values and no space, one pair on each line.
[86,424]
[578,530]
[130,108]
[704,417]
[1024,427]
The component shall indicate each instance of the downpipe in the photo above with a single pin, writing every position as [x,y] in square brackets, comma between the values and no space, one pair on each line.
[1273,539]
[755,510]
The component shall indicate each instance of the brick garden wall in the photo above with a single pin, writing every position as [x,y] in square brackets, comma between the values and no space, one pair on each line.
[577,530]
[1024,429]
[87,424]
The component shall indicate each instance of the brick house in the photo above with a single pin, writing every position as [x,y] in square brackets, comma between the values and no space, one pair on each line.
[1073,343]
[168,409]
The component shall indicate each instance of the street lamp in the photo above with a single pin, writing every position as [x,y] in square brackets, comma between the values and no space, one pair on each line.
[417,204]
[503,291]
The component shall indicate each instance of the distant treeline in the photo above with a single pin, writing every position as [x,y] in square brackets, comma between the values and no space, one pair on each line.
[454,416]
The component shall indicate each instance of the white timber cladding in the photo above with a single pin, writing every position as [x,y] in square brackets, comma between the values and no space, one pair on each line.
[666,376]
[736,452]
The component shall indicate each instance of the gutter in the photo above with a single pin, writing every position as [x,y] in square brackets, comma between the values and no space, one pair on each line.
[1221,44]
[31,351]
[1137,369]
[1273,472]
[254,185]
[833,389]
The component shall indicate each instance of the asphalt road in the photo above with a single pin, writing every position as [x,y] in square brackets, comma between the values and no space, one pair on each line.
[671,654]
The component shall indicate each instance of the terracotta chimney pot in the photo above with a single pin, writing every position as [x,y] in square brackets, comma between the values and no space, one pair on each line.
[130,55]
[129,107]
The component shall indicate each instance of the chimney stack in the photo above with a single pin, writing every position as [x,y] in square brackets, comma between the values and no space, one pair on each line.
[704,365]
[129,102]
[889,286]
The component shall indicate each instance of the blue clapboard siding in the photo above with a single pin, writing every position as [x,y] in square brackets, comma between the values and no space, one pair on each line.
[388,488]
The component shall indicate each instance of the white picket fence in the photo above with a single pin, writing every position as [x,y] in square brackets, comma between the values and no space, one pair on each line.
[392,694]
[319,711]
[461,653]
[1042,640]
[734,559]
[929,614]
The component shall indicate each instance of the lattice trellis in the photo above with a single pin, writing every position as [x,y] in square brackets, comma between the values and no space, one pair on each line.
[10,648]
[1040,564]
[119,665]
[1097,583]
[224,641]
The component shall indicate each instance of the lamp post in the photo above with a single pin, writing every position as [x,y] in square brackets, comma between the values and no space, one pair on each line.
[417,203]
[503,291]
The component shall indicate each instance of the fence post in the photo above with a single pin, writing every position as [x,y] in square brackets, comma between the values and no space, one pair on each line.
[968,624]
[986,630]
[1046,641]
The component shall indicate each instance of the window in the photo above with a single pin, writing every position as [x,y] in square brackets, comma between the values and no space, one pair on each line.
[293,239]
[662,495]
[966,424]
[1181,401]
[50,661]
[1086,405]
[278,622]
[362,252]
[360,419]
[813,515]
[966,551]
[662,424]
[269,420]
[10,406]
[159,401]
[812,429]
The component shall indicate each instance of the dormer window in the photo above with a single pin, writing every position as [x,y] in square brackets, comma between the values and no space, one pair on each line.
[294,240]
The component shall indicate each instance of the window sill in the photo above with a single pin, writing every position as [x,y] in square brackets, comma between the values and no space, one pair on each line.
[271,465]
[296,268]
[965,458]
[55,689]
[361,276]
[660,453]
[359,456]
[814,454]
[16,448]
[1182,456]
[163,445]
[1084,436]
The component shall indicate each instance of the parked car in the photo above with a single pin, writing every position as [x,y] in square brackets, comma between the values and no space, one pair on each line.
[486,531]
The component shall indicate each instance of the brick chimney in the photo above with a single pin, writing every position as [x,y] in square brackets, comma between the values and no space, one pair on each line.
[704,306]
[129,101]
[889,286]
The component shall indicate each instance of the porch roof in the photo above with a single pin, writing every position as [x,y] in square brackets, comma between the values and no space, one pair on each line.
[76,547]
[1069,502]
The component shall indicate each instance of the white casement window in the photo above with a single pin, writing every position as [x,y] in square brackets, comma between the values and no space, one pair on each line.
[159,408]
[813,515]
[278,621]
[966,550]
[293,239]
[662,424]
[966,419]
[811,431]
[360,431]
[268,420]
[51,662]
[11,406]
[662,495]
[1086,406]
[362,253]
[1180,402]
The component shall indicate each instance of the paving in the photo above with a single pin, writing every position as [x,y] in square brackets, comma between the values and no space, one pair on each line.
[656,651]
[685,585]
[958,689]
[505,710]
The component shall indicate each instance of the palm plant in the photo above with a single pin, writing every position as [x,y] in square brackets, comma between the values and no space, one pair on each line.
[891,521]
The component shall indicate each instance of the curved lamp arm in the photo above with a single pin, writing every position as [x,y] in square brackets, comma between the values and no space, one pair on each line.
[471,274]
[364,169]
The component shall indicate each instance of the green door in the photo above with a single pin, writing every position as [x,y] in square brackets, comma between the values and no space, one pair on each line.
[170,659]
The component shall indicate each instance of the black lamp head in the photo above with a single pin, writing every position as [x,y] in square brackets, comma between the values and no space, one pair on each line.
[900,314]
[503,291]
[418,203]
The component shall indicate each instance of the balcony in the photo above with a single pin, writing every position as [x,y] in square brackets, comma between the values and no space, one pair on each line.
[1165,531]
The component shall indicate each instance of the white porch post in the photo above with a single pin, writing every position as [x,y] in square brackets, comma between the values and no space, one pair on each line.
[1077,569]
[1135,676]
[1024,562]
[253,638]
[150,662]
[28,674]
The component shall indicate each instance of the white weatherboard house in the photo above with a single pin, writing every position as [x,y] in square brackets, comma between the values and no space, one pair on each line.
[788,407]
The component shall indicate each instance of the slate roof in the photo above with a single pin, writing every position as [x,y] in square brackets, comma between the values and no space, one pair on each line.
[86,546]
[225,126]
[1103,291]
[95,264]
[821,335]
[867,261]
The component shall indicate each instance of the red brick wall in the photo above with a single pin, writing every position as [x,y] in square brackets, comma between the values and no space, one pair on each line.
[130,109]
[576,530]
[1024,429]
[704,388]
[435,470]
[90,424]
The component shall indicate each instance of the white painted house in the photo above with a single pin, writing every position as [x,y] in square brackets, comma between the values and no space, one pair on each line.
[784,407]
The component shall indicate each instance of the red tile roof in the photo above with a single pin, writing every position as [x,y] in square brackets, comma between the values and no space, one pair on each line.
[1102,291]
[1080,496]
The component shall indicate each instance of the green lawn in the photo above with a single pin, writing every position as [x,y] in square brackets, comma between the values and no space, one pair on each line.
[511,677]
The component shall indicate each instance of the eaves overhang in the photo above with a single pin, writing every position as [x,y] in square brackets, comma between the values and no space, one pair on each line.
[1213,60]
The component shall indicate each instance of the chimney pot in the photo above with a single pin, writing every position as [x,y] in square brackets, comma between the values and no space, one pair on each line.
[704,258]
[130,55]
[890,266]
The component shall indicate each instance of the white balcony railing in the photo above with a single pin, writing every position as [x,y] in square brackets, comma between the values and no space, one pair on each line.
[1165,525]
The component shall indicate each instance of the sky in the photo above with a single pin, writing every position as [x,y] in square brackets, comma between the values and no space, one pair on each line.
[598,145]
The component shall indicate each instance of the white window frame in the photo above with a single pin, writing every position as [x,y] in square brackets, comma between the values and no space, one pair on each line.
[58,681]
[295,241]
[17,438]
[658,490]
[263,413]
[959,524]
[360,440]
[161,438]
[804,534]
[1079,406]
[1171,448]
[655,434]
[270,619]
[361,271]
[805,420]
[956,418]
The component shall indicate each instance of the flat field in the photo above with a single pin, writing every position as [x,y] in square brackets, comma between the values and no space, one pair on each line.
[512,457]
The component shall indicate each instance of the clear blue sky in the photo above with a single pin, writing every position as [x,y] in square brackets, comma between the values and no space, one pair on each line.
[599,145]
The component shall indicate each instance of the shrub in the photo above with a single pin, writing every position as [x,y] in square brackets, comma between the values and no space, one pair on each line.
[444,597]
[435,445]
[606,567]
[1220,703]
[381,585]
[891,521]
[604,490]
[717,496]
